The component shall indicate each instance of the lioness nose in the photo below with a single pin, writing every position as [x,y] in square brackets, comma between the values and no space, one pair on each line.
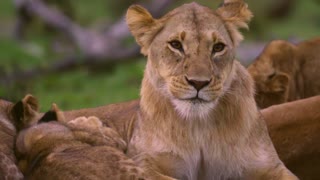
[197,84]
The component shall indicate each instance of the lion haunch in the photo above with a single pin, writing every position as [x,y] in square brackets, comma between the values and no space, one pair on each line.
[198,118]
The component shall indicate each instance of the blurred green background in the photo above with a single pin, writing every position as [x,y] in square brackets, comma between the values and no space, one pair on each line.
[91,87]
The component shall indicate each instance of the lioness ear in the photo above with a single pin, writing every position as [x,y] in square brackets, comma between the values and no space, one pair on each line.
[54,114]
[142,26]
[236,15]
[280,83]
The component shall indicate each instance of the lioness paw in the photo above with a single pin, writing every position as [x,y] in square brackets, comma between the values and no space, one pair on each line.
[92,122]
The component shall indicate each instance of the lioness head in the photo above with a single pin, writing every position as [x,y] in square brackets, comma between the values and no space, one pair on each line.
[272,71]
[190,52]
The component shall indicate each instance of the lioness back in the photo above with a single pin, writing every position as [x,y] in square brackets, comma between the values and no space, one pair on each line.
[308,52]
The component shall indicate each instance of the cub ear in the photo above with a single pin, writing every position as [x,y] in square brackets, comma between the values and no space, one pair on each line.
[25,112]
[280,83]
[236,15]
[142,26]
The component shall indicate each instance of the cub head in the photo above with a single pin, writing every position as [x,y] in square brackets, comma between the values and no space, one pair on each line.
[190,52]
[272,72]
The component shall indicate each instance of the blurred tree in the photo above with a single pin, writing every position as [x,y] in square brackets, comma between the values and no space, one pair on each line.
[280,8]
[25,18]
[96,47]
[266,12]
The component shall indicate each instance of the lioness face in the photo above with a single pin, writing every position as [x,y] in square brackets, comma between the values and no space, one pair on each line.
[270,71]
[190,52]
[193,55]
[271,86]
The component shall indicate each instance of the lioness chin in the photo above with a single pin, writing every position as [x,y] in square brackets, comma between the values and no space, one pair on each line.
[198,118]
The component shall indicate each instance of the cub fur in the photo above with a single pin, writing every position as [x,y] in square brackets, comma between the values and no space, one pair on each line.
[286,72]
[198,118]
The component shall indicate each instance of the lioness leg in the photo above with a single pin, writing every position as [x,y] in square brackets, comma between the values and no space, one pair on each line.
[278,172]
[151,166]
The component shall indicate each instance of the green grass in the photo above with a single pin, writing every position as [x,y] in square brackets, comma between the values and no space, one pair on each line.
[80,88]
[94,10]
[14,55]
[7,10]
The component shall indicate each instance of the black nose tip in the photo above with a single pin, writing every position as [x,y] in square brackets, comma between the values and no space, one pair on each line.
[198,85]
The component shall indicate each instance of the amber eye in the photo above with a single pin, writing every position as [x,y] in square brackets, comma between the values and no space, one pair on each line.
[176,45]
[218,47]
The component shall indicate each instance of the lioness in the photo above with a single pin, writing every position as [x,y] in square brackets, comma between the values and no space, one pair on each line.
[286,72]
[50,147]
[198,118]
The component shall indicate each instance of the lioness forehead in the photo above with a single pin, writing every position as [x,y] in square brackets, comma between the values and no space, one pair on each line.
[196,20]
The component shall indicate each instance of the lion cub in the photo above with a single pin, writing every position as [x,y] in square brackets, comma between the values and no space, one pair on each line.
[48,147]
[286,72]
[198,118]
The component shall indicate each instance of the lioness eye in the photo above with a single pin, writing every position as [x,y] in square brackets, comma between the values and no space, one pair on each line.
[176,45]
[218,47]
[272,75]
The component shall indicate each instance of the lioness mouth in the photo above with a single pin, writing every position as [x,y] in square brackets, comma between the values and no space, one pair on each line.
[196,100]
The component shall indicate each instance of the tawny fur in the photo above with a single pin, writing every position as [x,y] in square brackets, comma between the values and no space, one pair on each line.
[286,72]
[227,140]
[294,129]
[8,167]
[79,148]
